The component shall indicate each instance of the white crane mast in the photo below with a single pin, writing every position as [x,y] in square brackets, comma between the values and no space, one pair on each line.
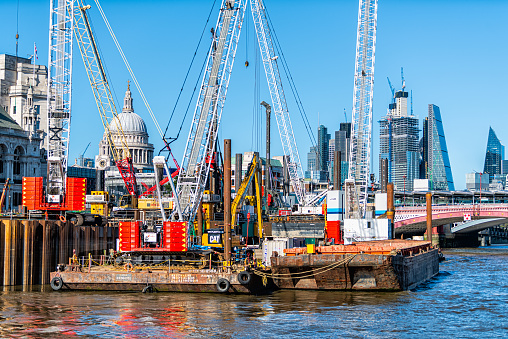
[279,105]
[59,95]
[196,162]
[361,127]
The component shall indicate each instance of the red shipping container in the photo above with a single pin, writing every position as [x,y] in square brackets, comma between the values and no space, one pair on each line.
[129,235]
[32,192]
[175,236]
[75,192]
[333,231]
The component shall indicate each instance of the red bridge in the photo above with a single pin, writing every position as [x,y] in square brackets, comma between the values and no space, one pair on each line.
[412,220]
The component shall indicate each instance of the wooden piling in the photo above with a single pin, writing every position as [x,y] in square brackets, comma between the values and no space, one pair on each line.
[7,252]
[390,213]
[46,254]
[227,199]
[428,197]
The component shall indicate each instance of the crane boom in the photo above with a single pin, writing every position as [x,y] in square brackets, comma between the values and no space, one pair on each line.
[195,165]
[279,104]
[102,94]
[361,128]
[207,114]
[59,96]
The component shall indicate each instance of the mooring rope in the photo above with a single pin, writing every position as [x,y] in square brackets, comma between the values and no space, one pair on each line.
[306,274]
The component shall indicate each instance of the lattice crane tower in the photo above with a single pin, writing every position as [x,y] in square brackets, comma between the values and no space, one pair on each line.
[59,96]
[361,128]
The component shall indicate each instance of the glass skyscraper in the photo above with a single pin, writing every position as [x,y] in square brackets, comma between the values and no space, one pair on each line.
[494,156]
[399,138]
[439,171]
[323,141]
[318,157]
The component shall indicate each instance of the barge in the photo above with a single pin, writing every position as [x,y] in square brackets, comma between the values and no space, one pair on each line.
[169,276]
[374,265]
[165,281]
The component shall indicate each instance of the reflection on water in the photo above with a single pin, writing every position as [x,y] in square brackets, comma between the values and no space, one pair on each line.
[467,299]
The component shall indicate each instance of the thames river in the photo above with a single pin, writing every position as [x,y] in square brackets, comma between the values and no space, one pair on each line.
[468,299]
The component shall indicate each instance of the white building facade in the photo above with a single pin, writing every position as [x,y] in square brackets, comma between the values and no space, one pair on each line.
[20,156]
[23,94]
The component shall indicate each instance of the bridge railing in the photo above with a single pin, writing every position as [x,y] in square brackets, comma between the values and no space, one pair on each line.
[402,213]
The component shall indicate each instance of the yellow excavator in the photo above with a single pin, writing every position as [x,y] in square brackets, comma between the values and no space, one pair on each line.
[252,173]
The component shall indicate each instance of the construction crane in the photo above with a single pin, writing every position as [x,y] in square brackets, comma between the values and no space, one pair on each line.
[402,78]
[69,18]
[82,156]
[102,93]
[62,193]
[361,127]
[59,97]
[207,115]
[392,89]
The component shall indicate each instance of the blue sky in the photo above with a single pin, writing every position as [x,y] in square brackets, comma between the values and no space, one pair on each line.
[453,53]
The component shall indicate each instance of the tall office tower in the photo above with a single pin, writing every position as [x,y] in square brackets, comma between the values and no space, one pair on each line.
[323,141]
[331,152]
[342,144]
[424,150]
[311,163]
[494,156]
[399,138]
[342,140]
[435,155]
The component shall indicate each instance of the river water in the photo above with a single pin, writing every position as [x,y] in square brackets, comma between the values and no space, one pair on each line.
[468,299]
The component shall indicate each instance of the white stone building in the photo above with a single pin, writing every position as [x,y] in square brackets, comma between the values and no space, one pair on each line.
[23,88]
[20,156]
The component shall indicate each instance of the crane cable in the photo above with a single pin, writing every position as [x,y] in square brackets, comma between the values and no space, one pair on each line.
[290,79]
[147,105]
[186,76]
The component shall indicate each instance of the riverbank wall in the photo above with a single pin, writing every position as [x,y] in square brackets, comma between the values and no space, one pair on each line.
[31,249]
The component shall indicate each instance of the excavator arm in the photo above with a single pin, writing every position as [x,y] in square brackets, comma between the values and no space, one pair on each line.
[242,190]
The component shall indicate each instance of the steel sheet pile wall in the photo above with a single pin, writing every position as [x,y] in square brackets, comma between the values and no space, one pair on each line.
[31,249]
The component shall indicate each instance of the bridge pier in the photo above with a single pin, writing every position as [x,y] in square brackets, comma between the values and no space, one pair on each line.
[485,240]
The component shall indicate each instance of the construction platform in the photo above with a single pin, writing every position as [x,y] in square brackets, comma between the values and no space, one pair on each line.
[374,265]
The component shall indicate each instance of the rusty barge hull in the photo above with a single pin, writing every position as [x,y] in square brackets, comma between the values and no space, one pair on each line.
[163,281]
[363,272]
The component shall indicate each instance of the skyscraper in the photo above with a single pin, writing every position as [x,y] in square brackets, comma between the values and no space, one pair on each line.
[331,153]
[342,140]
[323,139]
[399,137]
[494,155]
[435,155]
[342,145]
[311,163]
